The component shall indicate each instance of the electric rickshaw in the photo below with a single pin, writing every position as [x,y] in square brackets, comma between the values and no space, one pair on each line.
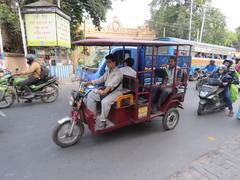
[134,105]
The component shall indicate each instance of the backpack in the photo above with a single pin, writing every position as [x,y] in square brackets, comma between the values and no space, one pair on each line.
[44,72]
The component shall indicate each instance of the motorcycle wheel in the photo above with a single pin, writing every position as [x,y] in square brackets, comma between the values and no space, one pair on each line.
[200,109]
[7,100]
[61,135]
[52,94]
[170,119]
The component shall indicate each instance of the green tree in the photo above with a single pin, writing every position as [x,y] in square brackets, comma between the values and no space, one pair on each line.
[238,33]
[10,27]
[173,16]
[230,38]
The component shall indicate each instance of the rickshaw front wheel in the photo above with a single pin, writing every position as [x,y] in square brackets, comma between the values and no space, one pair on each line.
[67,133]
[170,119]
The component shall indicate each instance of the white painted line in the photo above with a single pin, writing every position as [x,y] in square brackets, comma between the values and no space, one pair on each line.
[2,114]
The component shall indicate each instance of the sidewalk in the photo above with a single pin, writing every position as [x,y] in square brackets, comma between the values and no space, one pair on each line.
[221,164]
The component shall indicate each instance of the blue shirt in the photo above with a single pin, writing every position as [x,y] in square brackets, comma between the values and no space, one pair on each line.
[211,68]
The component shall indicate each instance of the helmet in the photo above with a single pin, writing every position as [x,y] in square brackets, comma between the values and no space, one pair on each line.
[237,68]
[30,58]
[212,61]
[229,60]
[222,67]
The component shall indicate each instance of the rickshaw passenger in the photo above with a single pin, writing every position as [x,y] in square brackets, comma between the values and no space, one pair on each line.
[129,71]
[113,88]
[162,93]
[127,67]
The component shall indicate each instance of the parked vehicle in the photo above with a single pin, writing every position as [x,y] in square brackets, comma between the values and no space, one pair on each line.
[10,90]
[134,106]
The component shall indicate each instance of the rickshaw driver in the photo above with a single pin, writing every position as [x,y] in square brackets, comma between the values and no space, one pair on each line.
[113,88]
[161,92]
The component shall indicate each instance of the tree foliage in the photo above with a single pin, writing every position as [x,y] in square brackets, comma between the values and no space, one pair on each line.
[174,15]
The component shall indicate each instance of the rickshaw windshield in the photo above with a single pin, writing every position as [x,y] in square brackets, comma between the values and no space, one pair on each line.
[94,59]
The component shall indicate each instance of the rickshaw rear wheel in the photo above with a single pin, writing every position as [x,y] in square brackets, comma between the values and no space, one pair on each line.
[66,140]
[170,119]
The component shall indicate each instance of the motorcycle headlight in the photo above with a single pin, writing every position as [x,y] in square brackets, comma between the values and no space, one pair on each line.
[203,94]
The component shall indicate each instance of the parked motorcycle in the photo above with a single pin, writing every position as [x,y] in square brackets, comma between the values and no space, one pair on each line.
[212,96]
[10,90]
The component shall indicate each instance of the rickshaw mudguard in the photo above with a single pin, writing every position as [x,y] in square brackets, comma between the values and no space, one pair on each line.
[173,103]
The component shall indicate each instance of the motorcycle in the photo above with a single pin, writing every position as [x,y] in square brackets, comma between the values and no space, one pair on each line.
[212,96]
[10,90]
[69,130]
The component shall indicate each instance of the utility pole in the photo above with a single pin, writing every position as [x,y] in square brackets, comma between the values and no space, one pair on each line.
[203,21]
[1,47]
[59,3]
[164,32]
[197,35]
[22,29]
[190,22]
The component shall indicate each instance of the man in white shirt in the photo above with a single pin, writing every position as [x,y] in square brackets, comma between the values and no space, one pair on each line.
[127,68]
[112,79]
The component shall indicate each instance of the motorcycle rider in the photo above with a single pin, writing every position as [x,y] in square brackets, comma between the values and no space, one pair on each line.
[33,73]
[225,76]
[211,67]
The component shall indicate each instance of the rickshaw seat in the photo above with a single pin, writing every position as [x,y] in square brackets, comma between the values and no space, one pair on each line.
[128,83]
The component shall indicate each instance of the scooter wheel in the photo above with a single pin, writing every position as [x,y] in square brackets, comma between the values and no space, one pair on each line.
[170,119]
[200,109]
[61,135]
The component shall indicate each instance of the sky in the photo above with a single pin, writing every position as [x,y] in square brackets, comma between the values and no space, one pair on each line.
[133,13]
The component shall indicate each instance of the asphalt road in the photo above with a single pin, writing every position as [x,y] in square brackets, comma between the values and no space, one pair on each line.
[141,152]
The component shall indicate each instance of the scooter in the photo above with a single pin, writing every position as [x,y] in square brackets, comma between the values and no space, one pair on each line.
[211,97]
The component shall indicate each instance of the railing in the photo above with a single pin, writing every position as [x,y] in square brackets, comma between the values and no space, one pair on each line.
[63,72]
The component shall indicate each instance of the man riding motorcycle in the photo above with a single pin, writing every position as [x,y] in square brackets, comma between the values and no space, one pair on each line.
[33,73]
[211,67]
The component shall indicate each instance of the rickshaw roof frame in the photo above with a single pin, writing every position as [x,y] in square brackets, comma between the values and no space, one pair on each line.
[123,42]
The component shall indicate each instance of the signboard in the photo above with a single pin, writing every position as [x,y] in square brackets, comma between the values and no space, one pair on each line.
[142,112]
[63,32]
[41,29]
[47,29]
